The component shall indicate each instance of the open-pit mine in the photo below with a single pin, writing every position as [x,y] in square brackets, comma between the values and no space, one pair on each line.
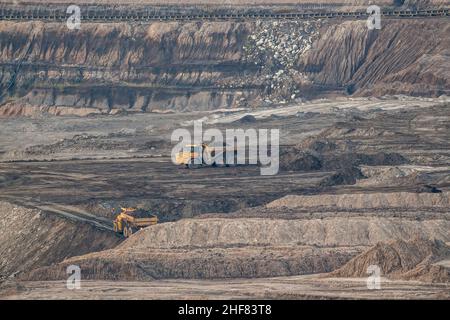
[87,177]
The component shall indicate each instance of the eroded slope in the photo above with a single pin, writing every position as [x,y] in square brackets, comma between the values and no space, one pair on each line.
[30,239]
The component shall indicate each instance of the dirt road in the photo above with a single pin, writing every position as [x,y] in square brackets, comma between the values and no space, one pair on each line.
[301,287]
[84,190]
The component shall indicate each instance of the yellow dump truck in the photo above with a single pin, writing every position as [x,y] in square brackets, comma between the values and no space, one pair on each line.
[130,220]
[203,154]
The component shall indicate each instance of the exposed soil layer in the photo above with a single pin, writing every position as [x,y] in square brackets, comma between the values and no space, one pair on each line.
[328,232]
[204,65]
[30,239]
[207,263]
[423,260]
[258,247]
[399,59]
[401,200]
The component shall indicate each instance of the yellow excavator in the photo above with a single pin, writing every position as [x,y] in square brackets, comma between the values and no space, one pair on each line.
[131,220]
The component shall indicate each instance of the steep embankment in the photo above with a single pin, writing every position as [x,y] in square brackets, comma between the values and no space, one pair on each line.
[202,263]
[208,65]
[405,56]
[120,65]
[30,239]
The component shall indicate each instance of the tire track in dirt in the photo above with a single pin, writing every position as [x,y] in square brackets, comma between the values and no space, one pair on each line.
[65,211]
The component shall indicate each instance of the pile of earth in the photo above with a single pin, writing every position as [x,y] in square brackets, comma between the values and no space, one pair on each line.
[351,132]
[418,259]
[129,264]
[297,158]
[404,175]
[400,200]
[324,154]
[243,247]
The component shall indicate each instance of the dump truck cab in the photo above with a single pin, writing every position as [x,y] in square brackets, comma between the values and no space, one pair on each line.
[131,220]
[191,154]
[204,154]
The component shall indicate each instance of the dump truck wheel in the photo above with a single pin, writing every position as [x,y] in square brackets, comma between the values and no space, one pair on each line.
[115,228]
[125,231]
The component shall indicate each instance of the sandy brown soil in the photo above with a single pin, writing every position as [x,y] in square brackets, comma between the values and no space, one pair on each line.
[260,247]
[415,259]
[300,287]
